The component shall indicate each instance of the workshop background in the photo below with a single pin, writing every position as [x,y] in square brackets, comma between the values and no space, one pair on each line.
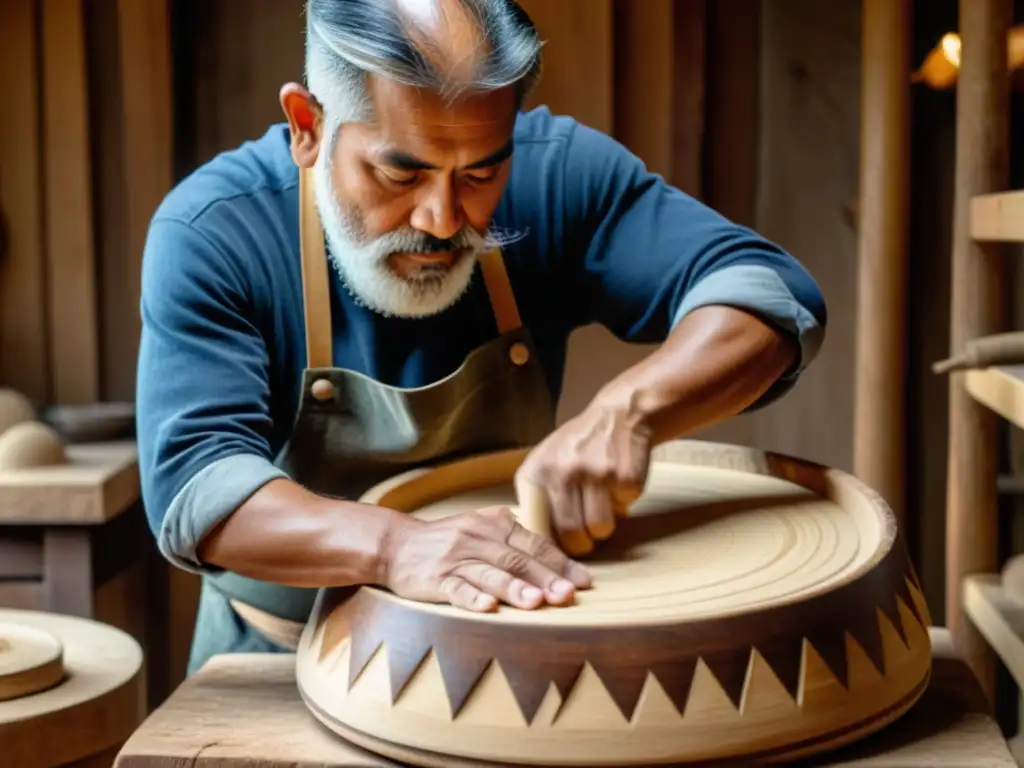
[751,106]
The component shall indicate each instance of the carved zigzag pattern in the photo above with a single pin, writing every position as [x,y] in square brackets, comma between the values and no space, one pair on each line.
[533,657]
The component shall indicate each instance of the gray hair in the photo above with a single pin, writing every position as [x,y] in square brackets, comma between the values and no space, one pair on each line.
[347,40]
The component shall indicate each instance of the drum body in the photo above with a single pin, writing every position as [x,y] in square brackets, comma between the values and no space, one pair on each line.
[752,606]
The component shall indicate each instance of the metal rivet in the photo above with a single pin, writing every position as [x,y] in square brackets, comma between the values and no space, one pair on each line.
[322,389]
[518,353]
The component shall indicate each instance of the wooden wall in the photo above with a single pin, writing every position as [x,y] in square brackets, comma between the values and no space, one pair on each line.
[85,157]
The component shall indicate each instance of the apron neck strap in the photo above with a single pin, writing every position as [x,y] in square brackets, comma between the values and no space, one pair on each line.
[316,295]
[499,289]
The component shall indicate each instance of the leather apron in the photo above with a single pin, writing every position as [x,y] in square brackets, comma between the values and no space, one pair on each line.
[352,432]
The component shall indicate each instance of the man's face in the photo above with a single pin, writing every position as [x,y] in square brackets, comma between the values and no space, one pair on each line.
[407,199]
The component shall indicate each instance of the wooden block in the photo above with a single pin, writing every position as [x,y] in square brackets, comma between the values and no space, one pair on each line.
[100,481]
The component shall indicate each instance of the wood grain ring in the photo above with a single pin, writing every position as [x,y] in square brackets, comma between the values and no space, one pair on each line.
[788,620]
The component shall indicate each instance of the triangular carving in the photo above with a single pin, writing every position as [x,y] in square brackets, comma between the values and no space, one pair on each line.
[676,679]
[887,605]
[624,683]
[707,697]
[404,658]
[763,691]
[829,641]
[863,628]
[655,708]
[331,635]
[589,705]
[461,669]
[730,670]
[785,659]
[364,646]
[530,684]
[902,592]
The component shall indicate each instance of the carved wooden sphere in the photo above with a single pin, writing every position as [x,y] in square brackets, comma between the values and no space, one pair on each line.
[15,408]
[751,606]
[29,445]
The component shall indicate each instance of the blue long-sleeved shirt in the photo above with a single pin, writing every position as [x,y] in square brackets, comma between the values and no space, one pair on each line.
[223,341]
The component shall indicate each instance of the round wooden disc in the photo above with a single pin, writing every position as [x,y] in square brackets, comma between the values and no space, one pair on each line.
[94,707]
[751,606]
[31,661]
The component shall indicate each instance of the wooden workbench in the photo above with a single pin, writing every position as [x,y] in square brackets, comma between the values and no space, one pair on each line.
[244,712]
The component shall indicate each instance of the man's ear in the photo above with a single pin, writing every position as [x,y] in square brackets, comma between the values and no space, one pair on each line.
[305,121]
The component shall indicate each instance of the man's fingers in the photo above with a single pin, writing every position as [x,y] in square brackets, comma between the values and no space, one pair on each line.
[550,555]
[502,585]
[462,594]
[567,518]
[598,511]
[520,563]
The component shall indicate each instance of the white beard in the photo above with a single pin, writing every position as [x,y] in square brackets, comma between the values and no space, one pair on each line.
[363,265]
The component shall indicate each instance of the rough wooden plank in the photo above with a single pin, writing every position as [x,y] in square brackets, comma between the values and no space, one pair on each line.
[809,143]
[23,343]
[148,145]
[689,26]
[70,263]
[644,59]
[578,63]
[734,49]
[977,309]
[883,257]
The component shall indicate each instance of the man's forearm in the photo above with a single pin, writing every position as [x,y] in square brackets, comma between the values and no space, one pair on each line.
[715,363]
[288,535]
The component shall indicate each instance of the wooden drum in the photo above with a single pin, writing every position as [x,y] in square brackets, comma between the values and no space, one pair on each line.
[751,607]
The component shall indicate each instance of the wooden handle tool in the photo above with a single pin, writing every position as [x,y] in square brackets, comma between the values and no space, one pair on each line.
[534,511]
[998,349]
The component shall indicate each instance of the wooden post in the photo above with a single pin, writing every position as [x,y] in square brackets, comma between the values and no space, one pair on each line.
[977,309]
[879,435]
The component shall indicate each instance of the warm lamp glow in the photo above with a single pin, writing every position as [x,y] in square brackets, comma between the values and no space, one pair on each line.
[941,66]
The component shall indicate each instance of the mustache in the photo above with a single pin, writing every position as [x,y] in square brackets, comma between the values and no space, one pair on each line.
[408,240]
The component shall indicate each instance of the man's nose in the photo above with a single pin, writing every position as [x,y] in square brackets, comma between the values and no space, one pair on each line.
[438,212]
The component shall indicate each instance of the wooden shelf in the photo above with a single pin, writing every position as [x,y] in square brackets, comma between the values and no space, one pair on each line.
[1001,389]
[998,217]
[999,618]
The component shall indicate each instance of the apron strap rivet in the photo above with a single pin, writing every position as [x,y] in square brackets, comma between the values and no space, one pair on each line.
[519,353]
[322,389]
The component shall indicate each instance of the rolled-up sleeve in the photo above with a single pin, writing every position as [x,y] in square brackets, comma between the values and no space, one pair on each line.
[645,255]
[202,396]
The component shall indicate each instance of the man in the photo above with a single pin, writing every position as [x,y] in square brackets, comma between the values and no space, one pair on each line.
[389,281]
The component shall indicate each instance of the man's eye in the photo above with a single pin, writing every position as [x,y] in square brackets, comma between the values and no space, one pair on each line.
[401,179]
[476,179]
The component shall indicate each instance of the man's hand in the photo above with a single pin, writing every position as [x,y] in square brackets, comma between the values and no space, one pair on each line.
[475,560]
[591,469]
